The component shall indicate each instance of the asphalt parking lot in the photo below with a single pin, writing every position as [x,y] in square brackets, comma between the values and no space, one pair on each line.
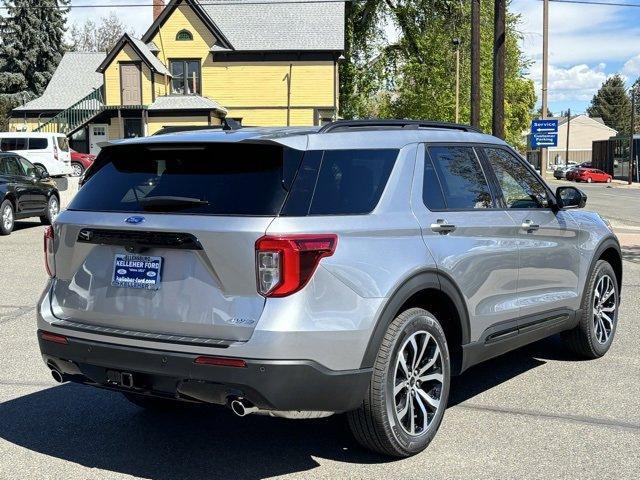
[533,413]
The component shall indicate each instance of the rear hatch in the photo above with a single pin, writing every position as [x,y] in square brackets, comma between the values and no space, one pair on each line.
[160,239]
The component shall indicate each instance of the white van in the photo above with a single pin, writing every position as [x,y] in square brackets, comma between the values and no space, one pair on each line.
[47,151]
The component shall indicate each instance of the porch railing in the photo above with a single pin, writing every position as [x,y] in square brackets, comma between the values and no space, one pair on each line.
[75,116]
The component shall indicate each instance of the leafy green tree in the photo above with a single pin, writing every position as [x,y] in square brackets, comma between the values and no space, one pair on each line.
[415,77]
[612,103]
[101,37]
[31,48]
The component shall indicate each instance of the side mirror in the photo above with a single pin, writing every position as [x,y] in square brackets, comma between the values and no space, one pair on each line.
[570,197]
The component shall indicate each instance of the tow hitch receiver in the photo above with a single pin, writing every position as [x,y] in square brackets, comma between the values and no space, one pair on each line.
[121,379]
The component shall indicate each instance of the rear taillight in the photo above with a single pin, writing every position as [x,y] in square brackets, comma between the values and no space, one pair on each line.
[54,337]
[55,152]
[284,264]
[49,261]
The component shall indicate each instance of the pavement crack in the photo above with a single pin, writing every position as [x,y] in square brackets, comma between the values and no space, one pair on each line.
[619,425]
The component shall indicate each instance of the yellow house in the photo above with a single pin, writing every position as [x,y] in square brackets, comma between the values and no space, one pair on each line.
[259,63]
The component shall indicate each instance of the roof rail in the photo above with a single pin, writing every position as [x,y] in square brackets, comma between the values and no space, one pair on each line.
[384,124]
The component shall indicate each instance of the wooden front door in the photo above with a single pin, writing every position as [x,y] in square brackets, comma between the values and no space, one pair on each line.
[130,84]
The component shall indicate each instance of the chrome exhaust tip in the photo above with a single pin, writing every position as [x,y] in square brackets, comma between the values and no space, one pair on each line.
[242,408]
[57,376]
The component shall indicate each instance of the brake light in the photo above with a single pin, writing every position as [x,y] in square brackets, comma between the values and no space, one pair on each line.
[285,264]
[55,152]
[49,259]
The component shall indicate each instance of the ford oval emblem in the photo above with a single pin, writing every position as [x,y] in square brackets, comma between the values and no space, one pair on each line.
[134,220]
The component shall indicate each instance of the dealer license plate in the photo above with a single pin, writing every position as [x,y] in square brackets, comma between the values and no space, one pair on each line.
[137,271]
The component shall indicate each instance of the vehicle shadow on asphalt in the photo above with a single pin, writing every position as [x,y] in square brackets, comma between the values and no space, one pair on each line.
[23,225]
[631,253]
[100,429]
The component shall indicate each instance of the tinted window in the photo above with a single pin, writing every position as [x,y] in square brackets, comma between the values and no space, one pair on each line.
[13,144]
[520,187]
[12,167]
[38,143]
[351,181]
[27,167]
[431,190]
[463,182]
[221,179]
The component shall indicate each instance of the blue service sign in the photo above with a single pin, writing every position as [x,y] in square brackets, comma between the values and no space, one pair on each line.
[544,140]
[544,126]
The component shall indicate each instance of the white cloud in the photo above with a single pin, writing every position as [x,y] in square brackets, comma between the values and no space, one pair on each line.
[576,83]
[631,68]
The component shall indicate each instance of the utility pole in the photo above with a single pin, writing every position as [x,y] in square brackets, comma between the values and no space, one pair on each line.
[456,45]
[631,142]
[545,79]
[566,160]
[475,63]
[500,8]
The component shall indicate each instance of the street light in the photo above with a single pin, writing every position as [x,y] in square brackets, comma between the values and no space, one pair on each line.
[456,45]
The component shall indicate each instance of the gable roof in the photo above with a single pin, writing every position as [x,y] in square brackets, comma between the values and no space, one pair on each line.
[74,79]
[141,49]
[276,25]
[597,120]
[186,102]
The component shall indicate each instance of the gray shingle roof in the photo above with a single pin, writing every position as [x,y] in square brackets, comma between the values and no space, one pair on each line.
[275,25]
[157,65]
[186,102]
[74,79]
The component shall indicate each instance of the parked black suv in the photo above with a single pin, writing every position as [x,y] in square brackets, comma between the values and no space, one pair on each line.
[24,192]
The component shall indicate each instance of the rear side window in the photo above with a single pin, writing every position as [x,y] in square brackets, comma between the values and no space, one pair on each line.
[350,182]
[431,190]
[214,179]
[63,143]
[13,144]
[461,177]
[11,166]
[38,143]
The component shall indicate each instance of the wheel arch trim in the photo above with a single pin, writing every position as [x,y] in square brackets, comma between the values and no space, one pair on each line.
[609,242]
[427,279]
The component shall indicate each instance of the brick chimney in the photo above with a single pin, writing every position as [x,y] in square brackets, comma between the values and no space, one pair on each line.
[158,6]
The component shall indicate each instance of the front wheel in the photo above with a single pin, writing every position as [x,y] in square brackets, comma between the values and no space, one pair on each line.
[593,336]
[76,169]
[409,388]
[7,217]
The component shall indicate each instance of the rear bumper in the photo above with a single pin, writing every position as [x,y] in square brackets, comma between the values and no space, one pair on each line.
[268,384]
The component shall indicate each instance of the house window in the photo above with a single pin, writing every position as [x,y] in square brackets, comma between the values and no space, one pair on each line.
[185,77]
[184,36]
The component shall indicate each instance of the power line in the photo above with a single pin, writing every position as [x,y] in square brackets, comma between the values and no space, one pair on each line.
[598,3]
[210,3]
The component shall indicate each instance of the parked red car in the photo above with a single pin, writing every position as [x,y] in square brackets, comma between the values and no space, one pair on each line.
[591,175]
[80,162]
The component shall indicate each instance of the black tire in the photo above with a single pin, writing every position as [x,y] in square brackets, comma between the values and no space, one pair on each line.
[375,425]
[152,403]
[48,218]
[6,227]
[583,339]
[77,168]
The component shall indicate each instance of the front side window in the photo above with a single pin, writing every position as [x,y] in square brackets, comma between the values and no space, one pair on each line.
[463,182]
[27,167]
[520,187]
[185,77]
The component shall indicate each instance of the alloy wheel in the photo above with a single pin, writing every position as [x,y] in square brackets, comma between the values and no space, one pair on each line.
[418,383]
[7,217]
[605,303]
[54,208]
[77,169]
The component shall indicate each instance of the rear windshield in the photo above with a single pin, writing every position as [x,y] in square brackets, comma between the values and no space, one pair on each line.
[216,179]
[63,143]
[235,179]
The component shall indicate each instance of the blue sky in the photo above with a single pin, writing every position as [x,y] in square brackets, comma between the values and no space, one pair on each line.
[588,43]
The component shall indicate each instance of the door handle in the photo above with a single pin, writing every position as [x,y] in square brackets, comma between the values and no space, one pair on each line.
[529,226]
[442,227]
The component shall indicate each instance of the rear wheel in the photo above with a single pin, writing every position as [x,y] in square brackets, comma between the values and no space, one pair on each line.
[53,209]
[593,336]
[7,217]
[76,169]
[407,397]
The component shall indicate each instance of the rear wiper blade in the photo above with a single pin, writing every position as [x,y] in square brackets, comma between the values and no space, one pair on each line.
[170,202]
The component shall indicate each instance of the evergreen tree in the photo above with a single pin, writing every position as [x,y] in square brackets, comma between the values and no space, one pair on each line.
[613,104]
[32,47]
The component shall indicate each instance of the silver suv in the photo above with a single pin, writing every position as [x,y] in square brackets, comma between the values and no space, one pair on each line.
[304,272]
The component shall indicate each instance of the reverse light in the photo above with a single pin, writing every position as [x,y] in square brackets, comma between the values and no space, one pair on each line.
[49,260]
[285,264]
